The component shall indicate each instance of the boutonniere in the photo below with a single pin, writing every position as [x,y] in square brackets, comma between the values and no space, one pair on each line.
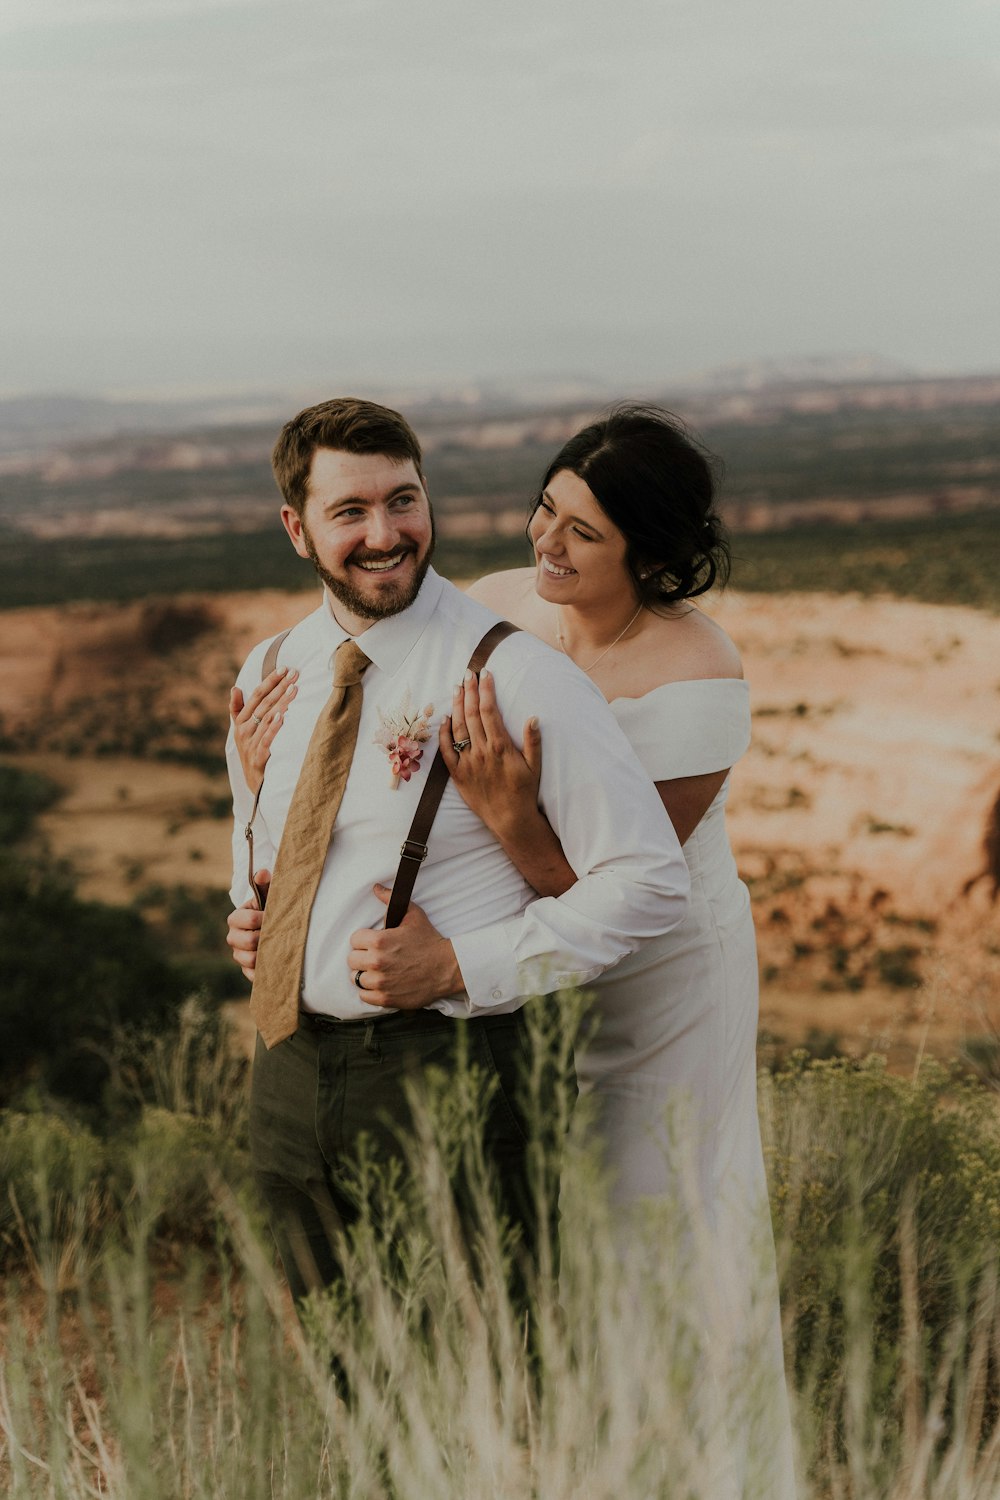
[402,734]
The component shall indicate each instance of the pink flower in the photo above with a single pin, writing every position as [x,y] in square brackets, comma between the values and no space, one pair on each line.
[404,757]
[402,734]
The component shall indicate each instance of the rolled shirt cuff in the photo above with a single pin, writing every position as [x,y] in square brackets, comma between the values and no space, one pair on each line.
[494,978]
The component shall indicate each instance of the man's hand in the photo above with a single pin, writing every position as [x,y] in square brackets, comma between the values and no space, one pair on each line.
[244,930]
[408,966]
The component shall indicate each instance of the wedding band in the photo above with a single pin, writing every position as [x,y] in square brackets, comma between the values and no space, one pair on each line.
[459,745]
[357,979]
[257,721]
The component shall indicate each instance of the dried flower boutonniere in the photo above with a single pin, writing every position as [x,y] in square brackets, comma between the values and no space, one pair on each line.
[402,734]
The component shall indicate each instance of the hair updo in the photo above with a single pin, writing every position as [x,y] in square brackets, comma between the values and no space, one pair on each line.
[656,483]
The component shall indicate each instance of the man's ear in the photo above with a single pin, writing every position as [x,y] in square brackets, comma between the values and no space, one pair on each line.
[292,522]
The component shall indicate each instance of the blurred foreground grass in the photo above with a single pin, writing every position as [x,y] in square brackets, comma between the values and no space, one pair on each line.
[149,1352]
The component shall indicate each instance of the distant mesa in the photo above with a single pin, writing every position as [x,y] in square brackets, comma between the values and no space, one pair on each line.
[833,369]
[32,423]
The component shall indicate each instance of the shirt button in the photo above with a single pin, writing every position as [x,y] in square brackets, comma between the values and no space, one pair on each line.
[496,994]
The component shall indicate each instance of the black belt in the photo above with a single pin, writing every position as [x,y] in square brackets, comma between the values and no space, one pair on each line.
[399,1020]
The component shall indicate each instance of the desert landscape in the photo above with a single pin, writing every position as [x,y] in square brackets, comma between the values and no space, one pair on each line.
[775,224]
[858,816]
[143,559]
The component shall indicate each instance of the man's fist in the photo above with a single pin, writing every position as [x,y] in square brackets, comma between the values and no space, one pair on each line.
[406,967]
[244,929]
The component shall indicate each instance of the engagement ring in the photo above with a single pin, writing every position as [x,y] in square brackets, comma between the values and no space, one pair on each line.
[459,745]
[257,721]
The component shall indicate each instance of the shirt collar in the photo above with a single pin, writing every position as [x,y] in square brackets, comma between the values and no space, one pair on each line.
[387,643]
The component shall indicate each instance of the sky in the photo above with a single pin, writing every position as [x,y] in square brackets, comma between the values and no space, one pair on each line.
[270,194]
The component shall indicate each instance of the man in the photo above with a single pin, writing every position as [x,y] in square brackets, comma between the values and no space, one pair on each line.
[348,1041]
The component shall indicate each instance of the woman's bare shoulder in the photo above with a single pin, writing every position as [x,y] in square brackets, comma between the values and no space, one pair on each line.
[689,646]
[508,593]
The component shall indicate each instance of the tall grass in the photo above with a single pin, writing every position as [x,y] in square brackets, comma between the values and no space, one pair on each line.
[144,1358]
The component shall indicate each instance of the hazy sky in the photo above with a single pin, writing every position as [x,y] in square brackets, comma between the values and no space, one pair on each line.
[214,193]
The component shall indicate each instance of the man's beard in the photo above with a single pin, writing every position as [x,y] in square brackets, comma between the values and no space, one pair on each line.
[391,601]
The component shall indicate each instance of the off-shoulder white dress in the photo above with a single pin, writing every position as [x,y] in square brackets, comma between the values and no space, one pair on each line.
[671,1067]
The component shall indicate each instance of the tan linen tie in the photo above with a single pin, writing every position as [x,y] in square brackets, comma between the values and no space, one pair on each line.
[302,853]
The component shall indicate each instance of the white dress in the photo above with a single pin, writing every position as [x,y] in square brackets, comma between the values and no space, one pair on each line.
[672,1074]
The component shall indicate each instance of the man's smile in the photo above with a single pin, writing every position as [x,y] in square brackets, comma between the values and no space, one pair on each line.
[380,564]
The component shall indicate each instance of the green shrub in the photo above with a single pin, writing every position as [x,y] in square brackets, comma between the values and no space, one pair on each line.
[23,795]
[176,1123]
[167,623]
[166,1168]
[982,1055]
[946,559]
[54,1193]
[190,1069]
[897,966]
[855,1152]
[75,974]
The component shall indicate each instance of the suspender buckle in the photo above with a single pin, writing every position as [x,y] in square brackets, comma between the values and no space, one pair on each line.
[410,849]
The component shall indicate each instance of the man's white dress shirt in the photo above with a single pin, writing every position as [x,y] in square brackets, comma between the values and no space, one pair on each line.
[632,878]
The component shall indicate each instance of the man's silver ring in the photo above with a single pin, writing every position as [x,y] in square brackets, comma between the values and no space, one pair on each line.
[459,745]
[257,721]
[357,979]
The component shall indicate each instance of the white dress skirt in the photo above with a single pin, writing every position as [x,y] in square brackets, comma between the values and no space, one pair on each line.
[671,1072]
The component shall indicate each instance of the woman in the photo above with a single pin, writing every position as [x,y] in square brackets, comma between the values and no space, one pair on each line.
[625,536]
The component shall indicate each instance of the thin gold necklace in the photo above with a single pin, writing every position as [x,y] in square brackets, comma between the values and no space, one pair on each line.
[593,664]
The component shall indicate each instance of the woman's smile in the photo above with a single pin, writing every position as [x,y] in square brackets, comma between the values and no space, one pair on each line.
[554,569]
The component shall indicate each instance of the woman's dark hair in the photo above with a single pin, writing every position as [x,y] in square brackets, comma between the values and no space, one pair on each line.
[656,483]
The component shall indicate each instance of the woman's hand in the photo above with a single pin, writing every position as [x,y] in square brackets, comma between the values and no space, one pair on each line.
[498,781]
[257,720]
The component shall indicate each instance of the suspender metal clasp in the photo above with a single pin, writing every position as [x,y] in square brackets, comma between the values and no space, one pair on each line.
[410,849]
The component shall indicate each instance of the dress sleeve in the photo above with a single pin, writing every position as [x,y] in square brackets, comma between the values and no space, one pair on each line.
[688,728]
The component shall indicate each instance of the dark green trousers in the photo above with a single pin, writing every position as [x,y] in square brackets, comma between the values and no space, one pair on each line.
[318,1095]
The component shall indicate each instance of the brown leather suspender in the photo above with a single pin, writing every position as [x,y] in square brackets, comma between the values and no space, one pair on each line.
[414,848]
[260,891]
[413,851]
[271,655]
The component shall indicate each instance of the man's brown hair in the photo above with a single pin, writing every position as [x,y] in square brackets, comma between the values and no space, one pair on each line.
[346,423]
